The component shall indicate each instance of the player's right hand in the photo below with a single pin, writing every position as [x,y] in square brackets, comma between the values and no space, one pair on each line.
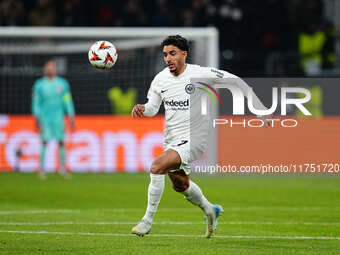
[72,124]
[138,111]
[37,125]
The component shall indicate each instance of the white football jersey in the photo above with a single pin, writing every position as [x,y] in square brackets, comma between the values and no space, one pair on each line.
[174,92]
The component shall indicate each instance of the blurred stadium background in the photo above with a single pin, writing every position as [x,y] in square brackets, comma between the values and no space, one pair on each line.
[295,38]
[295,42]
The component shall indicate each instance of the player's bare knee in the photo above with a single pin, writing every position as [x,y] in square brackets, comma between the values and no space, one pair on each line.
[156,168]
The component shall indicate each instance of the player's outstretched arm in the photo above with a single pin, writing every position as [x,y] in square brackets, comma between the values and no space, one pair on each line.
[216,76]
[138,111]
[267,119]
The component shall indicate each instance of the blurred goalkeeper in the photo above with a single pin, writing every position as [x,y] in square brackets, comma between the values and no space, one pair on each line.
[171,87]
[51,101]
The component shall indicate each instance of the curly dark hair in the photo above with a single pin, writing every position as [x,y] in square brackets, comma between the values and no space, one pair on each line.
[178,41]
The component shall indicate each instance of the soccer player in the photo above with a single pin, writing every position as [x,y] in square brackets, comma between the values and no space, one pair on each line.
[51,101]
[169,86]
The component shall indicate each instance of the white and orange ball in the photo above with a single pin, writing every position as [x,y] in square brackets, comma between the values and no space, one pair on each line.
[103,55]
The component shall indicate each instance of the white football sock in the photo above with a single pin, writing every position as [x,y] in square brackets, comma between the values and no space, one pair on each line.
[155,191]
[195,196]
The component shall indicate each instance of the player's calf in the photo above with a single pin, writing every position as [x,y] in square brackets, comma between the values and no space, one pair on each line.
[167,161]
[194,195]
[180,181]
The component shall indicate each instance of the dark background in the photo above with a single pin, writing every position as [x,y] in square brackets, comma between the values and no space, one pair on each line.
[257,39]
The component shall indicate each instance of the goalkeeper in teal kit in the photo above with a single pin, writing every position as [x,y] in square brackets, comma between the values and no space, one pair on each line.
[51,101]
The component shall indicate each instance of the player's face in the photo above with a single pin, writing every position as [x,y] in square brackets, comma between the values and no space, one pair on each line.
[50,69]
[174,58]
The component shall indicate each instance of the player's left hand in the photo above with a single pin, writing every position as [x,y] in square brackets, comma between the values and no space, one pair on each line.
[37,125]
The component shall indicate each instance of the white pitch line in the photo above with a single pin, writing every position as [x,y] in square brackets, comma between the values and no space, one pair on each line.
[230,209]
[167,223]
[3,212]
[175,235]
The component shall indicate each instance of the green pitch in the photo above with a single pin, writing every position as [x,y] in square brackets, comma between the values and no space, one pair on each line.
[93,214]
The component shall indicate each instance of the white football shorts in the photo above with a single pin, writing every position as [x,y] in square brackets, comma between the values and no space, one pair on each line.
[187,154]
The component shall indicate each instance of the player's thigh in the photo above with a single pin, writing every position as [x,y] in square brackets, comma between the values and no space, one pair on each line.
[46,133]
[182,147]
[167,161]
[59,132]
[180,180]
[52,130]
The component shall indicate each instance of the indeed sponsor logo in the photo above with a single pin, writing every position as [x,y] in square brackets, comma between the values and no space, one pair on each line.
[177,103]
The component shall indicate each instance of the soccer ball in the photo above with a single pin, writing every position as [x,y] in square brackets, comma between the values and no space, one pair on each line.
[103,55]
